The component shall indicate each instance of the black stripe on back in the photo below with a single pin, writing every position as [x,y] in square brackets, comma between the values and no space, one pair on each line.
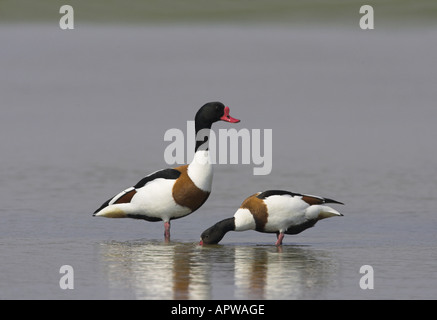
[171,174]
[269,193]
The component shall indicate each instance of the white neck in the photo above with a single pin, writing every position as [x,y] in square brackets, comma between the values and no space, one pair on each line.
[200,170]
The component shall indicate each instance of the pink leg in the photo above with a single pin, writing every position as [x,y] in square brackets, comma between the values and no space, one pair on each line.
[167,231]
[280,237]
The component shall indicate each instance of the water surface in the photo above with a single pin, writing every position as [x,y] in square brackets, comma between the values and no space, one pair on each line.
[83,115]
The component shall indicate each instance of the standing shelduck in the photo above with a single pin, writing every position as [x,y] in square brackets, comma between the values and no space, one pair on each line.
[172,193]
[273,211]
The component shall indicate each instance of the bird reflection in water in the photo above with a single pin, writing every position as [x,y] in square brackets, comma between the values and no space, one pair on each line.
[287,272]
[155,270]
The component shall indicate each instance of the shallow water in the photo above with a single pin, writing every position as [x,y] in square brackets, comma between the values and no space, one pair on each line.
[83,115]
